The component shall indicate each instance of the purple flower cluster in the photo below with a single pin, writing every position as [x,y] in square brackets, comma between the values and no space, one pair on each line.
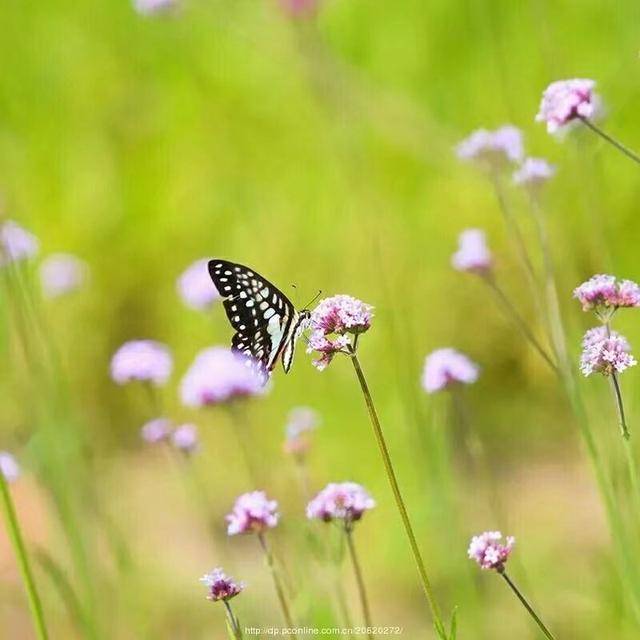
[252,512]
[566,100]
[533,173]
[196,287]
[345,501]
[62,273]
[445,368]
[9,467]
[16,243]
[473,254]
[333,322]
[604,294]
[183,437]
[152,7]
[300,423]
[492,149]
[489,552]
[220,586]
[299,8]
[142,361]
[216,376]
[156,430]
[605,352]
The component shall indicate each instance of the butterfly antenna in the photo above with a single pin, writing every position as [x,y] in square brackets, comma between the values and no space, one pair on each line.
[306,306]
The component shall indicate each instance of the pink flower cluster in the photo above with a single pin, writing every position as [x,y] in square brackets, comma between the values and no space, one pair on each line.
[473,254]
[16,243]
[566,100]
[220,586]
[142,361]
[604,294]
[156,430]
[152,7]
[218,375]
[301,422]
[445,368]
[196,287]
[533,173]
[493,149]
[252,512]
[489,552]
[340,501]
[332,322]
[9,467]
[62,273]
[605,352]
[299,8]
[184,437]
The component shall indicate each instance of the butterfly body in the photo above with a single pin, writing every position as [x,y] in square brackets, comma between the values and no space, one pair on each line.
[266,323]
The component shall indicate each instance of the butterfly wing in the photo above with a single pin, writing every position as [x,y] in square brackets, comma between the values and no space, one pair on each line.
[258,311]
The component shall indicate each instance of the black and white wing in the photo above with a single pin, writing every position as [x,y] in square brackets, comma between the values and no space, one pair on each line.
[262,316]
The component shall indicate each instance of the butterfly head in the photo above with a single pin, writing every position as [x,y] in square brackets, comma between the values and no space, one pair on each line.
[305,318]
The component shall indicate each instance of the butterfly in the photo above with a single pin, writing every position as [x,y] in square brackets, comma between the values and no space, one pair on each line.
[267,324]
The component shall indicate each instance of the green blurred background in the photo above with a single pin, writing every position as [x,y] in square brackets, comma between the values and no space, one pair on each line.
[321,153]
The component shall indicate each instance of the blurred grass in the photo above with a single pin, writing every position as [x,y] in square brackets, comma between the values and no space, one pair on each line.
[323,158]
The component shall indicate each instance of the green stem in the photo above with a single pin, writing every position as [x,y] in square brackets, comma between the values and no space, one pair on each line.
[13,528]
[366,612]
[619,404]
[526,605]
[511,311]
[233,621]
[618,145]
[391,476]
[282,599]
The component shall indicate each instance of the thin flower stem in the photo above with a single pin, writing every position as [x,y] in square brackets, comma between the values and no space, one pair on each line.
[233,621]
[511,311]
[526,605]
[619,404]
[366,612]
[618,145]
[13,528]
[282,599]
[391,476]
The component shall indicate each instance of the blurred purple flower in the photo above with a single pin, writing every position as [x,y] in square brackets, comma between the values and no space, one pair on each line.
[567,100]
[299,8]
[301,421]
[143,361]
[493,149]
[489,552]
[156,430]
[62,273]
[340,501]
[9,467]
[152,7]
[218,375]
[185,438]
[196,287]
[220,586]
[605,352]
[444,368]
[252,512]
[16,243]
[533,173]
[604,294]
[472,255]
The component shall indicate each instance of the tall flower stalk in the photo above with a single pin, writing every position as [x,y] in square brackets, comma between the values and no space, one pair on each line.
[337,324]
[221,588]
[17,542]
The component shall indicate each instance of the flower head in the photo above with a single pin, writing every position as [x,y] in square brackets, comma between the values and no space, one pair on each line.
[218,375]
[156,430]
[533,173]
[185,438]
[472,255]
[152,7]
[489,552]
[567,100]
[16,243]
[604,294]
[143,361]
[62,273]
[252,512]
[340,501]
[300,423]
[605,352]
[196,287]
[493,149]
[220,586]
[299,8]
[444,368]
[9,467]
[327,347]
